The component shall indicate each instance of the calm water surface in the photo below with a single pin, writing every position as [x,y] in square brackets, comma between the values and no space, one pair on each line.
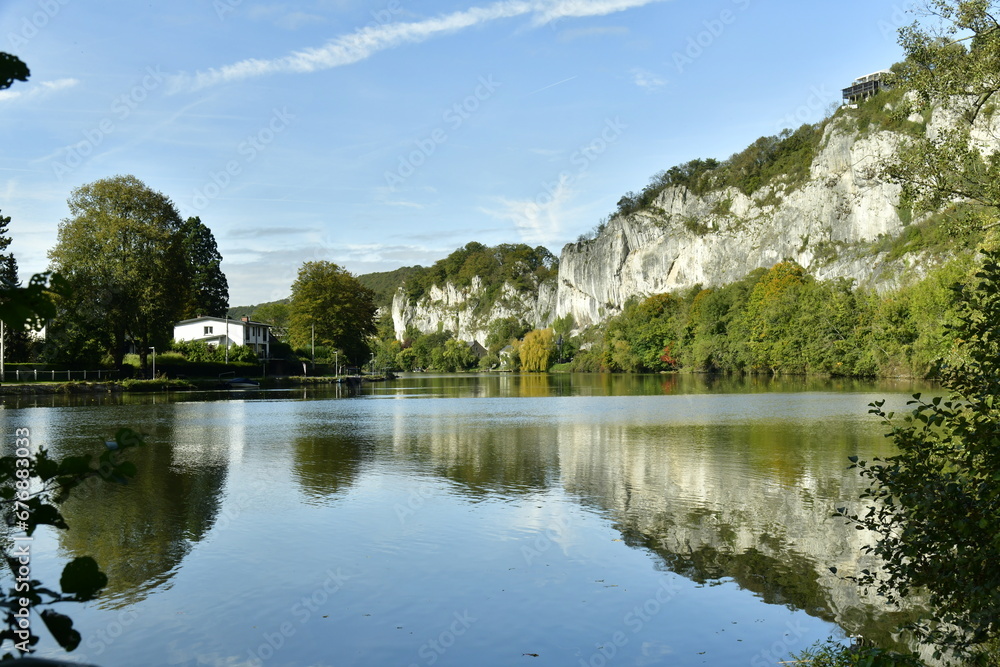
[470,520]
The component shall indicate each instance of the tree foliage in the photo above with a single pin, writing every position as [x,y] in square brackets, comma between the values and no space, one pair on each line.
[275,313]
[15,338]
[502,331]
[208,287]
[952,60]
[200,351]
[121,251]
[342,310]
[12,69]
[32,487]
[537,351]
[385,283]
[784,158]
[522,267]
[935,506]
[783,321]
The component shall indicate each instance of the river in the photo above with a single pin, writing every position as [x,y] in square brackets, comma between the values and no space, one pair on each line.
[470,520]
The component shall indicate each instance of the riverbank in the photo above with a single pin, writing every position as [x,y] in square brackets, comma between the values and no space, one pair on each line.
[169,385]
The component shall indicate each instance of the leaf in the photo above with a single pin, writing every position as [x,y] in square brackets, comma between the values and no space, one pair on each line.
[75,465]
[81,577]
[48,515]
[61,627]
[45,467]
[127,469]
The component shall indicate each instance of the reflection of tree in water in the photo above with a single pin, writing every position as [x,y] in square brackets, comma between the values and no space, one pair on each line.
[326,465]
[485,459]
[534,385]
[140,533]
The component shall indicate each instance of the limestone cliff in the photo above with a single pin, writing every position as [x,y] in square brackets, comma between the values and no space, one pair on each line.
[831,223]
[467,313]
[718,238]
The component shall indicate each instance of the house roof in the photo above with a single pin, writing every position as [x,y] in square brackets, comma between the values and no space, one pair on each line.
[220,320]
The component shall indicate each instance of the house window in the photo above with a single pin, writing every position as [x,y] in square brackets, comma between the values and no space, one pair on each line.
[208,331]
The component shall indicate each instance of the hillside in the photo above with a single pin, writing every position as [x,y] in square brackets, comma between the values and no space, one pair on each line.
[812,196]
[385,283]
[474,286]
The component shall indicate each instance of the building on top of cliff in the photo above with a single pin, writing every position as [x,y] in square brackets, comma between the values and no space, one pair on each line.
[866,86]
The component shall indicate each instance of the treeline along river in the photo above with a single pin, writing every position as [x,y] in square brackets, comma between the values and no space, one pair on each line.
[470,519]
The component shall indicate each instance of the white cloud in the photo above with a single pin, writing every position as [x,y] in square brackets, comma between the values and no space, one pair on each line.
[541,219]
[546,12]
[32,91]
[367,41]
[647,80]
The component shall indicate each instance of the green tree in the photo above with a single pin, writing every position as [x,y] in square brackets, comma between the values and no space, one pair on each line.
[341,309]
[277,314]
[636,340]
[538,350]
[33,487]
[951,63]
[773,339]
[935,506]
[15,338]
[406,359]
[121,252]
[12,69]
[456,356]
[501,332]
[207,284]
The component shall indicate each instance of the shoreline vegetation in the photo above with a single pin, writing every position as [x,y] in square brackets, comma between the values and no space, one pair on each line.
[781,321]
[168,385]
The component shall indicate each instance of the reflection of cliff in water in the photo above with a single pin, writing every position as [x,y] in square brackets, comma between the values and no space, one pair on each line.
[479,455]
[140,532]
[752,503]
[748,501]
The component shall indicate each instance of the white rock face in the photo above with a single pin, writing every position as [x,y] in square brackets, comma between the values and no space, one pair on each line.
[711,240]
[719,238]
[459,310]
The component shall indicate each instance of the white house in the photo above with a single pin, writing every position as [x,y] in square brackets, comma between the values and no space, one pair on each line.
[226,331]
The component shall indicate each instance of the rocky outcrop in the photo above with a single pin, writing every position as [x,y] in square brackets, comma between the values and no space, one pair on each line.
[832,224]
[718,238]
[468,311]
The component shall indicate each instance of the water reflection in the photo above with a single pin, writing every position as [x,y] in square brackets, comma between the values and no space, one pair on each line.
[716,493]
[140,533]
[708,479]
[324,466]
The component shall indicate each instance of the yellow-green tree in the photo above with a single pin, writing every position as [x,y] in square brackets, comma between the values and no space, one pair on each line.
[538,350]
[770,317]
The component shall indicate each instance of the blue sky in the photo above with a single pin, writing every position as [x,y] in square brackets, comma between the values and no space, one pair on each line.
[384,133]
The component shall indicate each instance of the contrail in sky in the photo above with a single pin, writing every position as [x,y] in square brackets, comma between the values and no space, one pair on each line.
[366,42]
